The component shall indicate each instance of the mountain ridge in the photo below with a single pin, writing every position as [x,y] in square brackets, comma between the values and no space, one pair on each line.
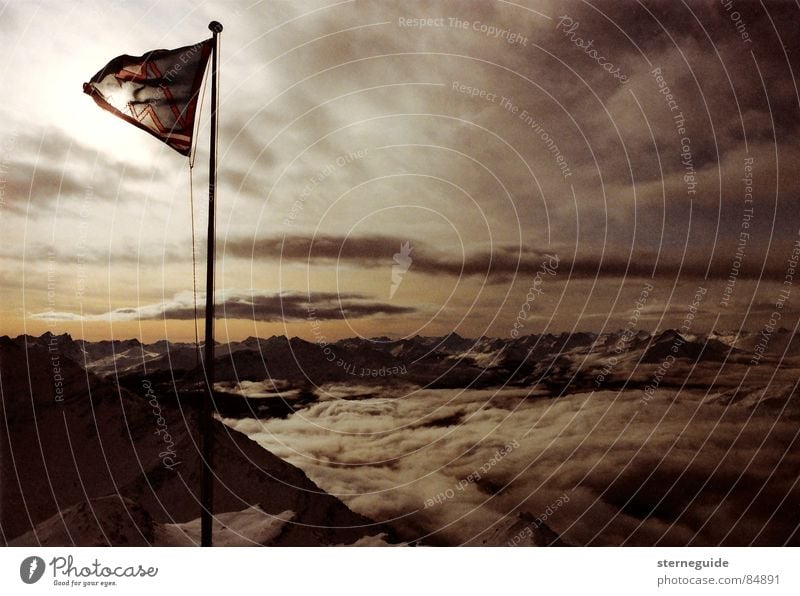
[69,438]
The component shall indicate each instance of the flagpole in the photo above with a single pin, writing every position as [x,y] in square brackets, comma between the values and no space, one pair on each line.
[206,426]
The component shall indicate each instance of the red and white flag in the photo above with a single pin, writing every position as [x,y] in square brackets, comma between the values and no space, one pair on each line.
[157,92]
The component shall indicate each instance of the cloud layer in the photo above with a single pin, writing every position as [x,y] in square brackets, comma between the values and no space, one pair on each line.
[448,465]
[251,306]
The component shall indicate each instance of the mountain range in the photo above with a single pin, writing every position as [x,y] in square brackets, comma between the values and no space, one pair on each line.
[84,458]
[435,362]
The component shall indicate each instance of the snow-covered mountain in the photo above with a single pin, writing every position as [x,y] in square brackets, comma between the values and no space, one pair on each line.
[446,361]
[77,443]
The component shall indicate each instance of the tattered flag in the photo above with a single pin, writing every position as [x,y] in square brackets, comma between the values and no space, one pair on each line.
[157,92]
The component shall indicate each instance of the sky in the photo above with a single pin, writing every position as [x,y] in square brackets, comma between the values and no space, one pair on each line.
[402,168]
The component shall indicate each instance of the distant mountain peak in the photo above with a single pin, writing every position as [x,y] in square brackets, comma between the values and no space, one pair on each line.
[669,335]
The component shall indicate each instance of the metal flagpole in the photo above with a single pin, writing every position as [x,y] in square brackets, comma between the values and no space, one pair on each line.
[206,427]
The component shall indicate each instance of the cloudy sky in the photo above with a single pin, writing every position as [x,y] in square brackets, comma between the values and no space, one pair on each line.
[489,136]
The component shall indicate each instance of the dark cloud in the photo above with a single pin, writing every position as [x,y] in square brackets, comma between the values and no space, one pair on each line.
[254,306]
[503,262]
[129,254]
[294,306]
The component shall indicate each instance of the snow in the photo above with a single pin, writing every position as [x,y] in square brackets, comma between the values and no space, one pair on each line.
[256,389]
[249,527]
[377,540]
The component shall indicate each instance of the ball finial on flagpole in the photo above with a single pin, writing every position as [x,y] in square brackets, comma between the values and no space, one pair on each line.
[215,26]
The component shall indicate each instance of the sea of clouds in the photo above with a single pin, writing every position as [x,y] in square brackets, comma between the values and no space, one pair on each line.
[450,465]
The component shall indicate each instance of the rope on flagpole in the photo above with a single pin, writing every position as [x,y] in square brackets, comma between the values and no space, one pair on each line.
[194,273]
[199,115]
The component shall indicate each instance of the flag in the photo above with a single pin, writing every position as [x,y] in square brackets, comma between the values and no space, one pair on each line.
[157,92]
